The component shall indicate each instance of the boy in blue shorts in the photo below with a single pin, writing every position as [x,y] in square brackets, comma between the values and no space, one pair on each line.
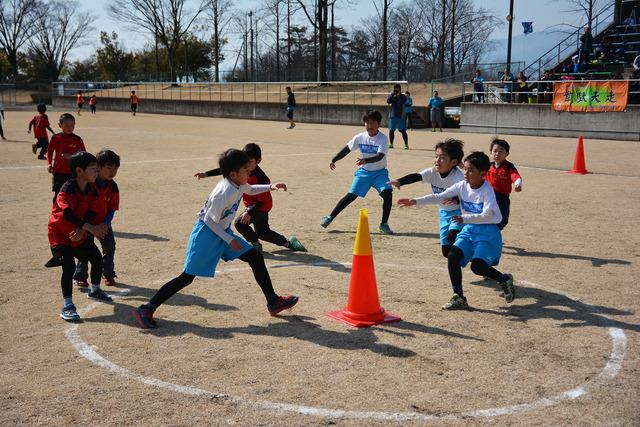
[372,171]
[212,239]
[444,173]
[479,241]
[397,119]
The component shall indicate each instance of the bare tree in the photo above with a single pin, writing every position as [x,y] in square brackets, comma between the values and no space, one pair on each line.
[588,8]
[218,13]
[16,27]
[58,31]
[383,14]
[320,24]
[407,21]
[273,12]
[167,20]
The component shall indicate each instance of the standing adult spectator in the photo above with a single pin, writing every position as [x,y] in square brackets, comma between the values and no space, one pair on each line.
[291,106]
[522,88]
[478,87]
[586,45]
[437,111]
[397,100]
[545,88]
[408,109]
[507,83]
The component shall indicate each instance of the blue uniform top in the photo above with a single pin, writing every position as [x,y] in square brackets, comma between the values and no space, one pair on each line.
[408,105]
[436,102]
[397,102]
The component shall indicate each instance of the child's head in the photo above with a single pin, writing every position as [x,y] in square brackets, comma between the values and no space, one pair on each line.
[79,92]
[478,72]
[108,163]
[448,154]
[288,89]
[42,108]
[407,94]
[253,151]
[234,165]
[67,123]
[93,96]
[84,165]
[372,121]
[499,150]
[435,93]
[133,92]
[476,166]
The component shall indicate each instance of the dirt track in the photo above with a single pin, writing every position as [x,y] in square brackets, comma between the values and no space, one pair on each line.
[569,236]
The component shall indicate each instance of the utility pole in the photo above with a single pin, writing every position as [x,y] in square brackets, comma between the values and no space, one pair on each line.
[251,40]
[510,19]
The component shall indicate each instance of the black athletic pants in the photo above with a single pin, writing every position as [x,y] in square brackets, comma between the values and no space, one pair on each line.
[387,201]
[260,221]
[88,251]
[252,257]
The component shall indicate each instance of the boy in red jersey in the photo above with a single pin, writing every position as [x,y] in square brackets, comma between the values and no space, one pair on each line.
[257,207]
[68,227]
[501,175]
[92,103]
[79,101]
[134,102]
[62,146]
[40,124]
[108,203]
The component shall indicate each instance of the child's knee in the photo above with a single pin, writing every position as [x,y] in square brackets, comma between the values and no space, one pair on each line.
[455,254]
[478,267]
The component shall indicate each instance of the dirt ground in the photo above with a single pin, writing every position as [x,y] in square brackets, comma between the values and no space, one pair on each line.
[565,352]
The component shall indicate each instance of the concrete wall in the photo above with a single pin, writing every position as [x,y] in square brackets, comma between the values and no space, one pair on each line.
[310,113]
[541,120]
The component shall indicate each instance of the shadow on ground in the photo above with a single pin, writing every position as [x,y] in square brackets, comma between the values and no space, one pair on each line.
[596,262]
[139,236]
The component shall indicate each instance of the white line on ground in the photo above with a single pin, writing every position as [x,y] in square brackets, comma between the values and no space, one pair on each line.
[611,370]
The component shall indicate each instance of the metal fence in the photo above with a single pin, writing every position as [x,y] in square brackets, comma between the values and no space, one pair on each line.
[8,94]
[356,93]
[537,92]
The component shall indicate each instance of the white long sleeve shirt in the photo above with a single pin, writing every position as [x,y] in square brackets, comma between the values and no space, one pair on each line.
[439,184]
[478,205]
[220,208]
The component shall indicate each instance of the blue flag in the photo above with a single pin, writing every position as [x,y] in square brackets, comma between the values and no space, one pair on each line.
[528,27]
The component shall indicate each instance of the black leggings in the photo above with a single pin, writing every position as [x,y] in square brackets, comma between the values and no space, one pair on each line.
[252,257]
[260,221]
[478,266]
[88,251]
[405,137]
[387,202]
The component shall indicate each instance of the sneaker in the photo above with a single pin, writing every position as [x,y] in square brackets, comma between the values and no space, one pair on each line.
[144,316]
[42,158]
[56,261]
[257,246]
[433,130]
[34,148]
[456,303]
[390,145]
[406,147]
[69,313]
[81,283]
[99,295]
[326,220]
[109,282]
[282,303]
[295,245]
[289,127]
[508,289]
[384,229]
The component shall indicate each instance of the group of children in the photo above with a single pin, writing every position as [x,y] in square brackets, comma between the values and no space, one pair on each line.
[93,101]
[474,204]
[474,207]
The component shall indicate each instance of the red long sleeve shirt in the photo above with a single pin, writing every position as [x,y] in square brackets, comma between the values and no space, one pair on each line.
[263,201]
[503,177]
[40,123]
[63,143]
[70,197]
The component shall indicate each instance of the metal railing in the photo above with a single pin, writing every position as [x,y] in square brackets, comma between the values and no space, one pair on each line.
[8,94]
[356,93]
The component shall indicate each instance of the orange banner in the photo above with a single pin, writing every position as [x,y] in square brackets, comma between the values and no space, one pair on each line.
[591,96]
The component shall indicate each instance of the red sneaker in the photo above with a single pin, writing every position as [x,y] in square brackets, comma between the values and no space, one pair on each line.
[282,303]
[109,282]
[81,283]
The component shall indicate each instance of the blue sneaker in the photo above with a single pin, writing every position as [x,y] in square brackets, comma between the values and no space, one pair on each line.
[99,295]
[384,229]
[144,316]
[326,220]
[69,313]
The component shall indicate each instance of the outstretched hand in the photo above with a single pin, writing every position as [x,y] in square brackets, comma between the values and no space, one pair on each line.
[405,203]
[278,186]
[332,166]
[200,175]
[395,183]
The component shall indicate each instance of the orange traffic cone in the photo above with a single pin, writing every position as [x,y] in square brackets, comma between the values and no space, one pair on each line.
[363,307]
[579,165]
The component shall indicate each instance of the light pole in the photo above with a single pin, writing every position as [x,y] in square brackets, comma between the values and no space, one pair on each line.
[251,39]
[510,19]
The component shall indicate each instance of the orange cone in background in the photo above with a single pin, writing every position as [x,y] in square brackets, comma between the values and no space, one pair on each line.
[363,306]
[579,165]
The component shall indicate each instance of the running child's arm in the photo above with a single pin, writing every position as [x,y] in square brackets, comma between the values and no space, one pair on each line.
[213,214]
[31,123]
[51,130]
[263,188]
[341,155]
[50,150]
[373,159]
[212,172]
[516,179]
[431,199]
[406,180]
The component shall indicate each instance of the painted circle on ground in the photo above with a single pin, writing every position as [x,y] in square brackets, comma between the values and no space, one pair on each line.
[610,370]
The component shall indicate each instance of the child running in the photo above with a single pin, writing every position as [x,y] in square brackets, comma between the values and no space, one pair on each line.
[79,101]
[479,241]
[40,124]
[105,208]
[212,239]
[68,227]
[372,170]
[257,207]
[501,175]
[62,146]
[444,173]
[134,102]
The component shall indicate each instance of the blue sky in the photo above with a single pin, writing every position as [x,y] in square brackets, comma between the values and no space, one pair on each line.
[543,13]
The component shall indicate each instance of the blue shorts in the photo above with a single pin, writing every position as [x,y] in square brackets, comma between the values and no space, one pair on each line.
[397,123]
[205,249]
[447,224]
[480,241]
[363,180]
